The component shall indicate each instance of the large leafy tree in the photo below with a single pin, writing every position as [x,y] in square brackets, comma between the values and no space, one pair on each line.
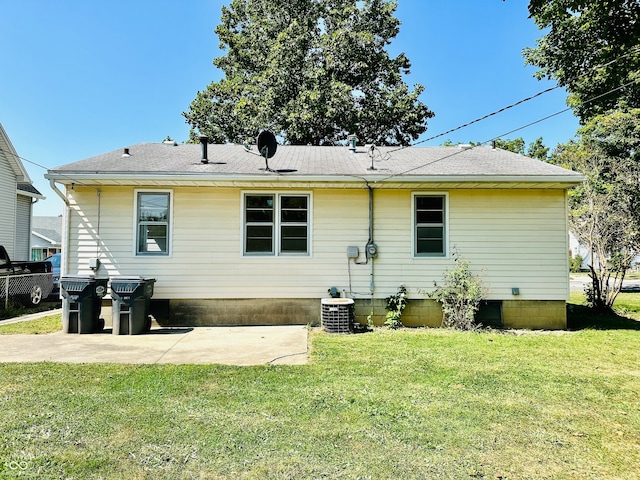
[592,47]
[313,72]
[605,209]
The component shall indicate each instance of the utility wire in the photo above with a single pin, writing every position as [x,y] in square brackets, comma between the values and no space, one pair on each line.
[481,118]
[6,152]
[592,99]
[632,51]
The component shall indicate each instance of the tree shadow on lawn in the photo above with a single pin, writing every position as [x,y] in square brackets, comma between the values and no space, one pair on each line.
[580,317]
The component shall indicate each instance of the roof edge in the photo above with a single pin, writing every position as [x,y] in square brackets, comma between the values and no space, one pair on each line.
[138,178]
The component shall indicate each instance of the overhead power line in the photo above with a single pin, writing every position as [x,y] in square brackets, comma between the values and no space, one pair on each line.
[632,51]
[547,117]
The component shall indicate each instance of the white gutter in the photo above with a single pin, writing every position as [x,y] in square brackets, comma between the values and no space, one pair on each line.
[140,177]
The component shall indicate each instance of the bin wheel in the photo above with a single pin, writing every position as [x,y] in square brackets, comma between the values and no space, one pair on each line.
[100,325]
[147,325]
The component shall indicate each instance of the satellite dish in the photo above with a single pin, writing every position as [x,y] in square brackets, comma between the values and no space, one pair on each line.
[267,144]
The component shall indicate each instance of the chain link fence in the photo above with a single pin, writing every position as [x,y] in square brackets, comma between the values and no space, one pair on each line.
[29,289]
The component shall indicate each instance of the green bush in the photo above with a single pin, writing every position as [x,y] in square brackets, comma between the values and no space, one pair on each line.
[575,264]
[395,305]
[459,296]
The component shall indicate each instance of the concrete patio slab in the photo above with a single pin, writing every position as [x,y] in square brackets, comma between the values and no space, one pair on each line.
[285,345]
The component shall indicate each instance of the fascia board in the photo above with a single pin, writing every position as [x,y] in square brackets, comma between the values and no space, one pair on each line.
[31,194]
[138,178]
[45,238]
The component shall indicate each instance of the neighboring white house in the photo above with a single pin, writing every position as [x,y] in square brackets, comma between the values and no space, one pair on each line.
[576,248]
[232,241]
[17,195]
[46,237]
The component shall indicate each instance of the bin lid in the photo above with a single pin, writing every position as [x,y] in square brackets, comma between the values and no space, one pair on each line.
[76,283]
[129,284]
[131,278]
[88,278]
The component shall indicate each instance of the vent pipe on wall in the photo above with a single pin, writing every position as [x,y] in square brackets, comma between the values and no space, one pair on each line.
[204,142]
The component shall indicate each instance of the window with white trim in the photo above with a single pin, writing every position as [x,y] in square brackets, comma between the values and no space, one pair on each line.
[429,225]
[153,214]
[276,224]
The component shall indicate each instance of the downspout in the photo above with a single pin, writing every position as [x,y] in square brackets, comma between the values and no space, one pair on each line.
[370,242]
[54,187]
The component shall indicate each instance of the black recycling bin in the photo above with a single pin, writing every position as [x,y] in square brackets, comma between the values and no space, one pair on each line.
[82,302]
[131,301]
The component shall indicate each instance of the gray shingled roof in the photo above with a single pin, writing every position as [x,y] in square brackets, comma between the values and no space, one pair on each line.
[306,161]
[50,227]
[29,188]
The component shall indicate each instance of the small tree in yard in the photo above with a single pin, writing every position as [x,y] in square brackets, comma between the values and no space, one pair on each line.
[460,296]
[604,212]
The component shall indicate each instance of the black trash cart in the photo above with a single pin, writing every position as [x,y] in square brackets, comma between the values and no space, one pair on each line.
[82,303]
[131,301]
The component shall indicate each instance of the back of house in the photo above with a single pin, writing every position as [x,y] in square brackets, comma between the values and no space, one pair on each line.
[234,239]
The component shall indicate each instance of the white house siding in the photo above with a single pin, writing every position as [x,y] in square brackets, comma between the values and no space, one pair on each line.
[517,238]
[8,186]
[512,238]
[23,228]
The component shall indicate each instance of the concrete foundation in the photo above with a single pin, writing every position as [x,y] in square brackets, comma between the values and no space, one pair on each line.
[535,314]
[527,314]
[240,312]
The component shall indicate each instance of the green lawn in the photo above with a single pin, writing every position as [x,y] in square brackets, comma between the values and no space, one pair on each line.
[412,403]
[48,324]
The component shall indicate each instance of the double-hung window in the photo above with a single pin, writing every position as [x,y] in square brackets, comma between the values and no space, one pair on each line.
[429,225]
[276,224]
[153,214]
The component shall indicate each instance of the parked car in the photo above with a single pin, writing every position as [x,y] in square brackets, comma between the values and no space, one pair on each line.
[26,282]
[55,263]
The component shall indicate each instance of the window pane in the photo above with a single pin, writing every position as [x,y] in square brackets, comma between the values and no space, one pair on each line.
[294,216]
[258,245]
[153,207]
[293,209]
[259,238]
[429,216]
[293,239]
[430,203]
[152,238]
[259,231]
[259,201]
[294,245]
[430,240]
[294,202]
[430,246]
[260,215]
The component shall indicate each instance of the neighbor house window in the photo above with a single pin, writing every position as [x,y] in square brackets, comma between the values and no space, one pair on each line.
[429,225]
[276,224]
[153,214]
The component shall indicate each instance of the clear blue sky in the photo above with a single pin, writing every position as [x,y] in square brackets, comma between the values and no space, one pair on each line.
[79,78]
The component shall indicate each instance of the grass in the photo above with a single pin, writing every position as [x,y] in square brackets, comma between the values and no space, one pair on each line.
[16,310]
[411,403]
[44,325]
